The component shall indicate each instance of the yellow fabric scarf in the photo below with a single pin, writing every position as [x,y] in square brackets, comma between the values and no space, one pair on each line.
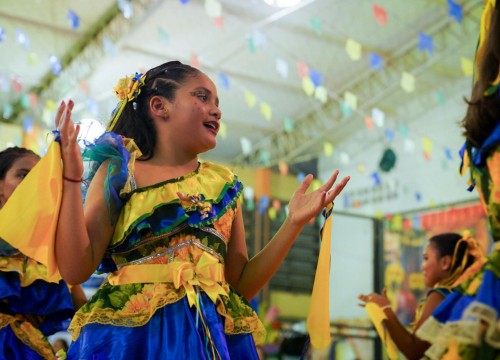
[318,318]
[28,220]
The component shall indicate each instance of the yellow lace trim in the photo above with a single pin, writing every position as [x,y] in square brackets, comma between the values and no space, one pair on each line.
[6,320]
[29,270]
[144,309]
[130,317]
[28,334]
[245,325]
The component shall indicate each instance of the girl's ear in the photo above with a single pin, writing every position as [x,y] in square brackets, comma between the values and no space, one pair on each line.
[446,262]
[158,107]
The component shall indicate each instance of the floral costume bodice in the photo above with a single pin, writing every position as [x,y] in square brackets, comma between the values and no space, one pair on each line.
[170,242]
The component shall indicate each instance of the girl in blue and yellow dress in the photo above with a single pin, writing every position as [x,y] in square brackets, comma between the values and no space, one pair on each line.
[31,307]
[448,260]
[167,228]
[467,325]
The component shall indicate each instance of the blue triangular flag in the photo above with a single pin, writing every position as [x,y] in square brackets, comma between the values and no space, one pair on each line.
[455,11]
[425,43]
[376,61]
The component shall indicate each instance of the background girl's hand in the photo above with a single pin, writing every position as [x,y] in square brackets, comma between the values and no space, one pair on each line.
[380,300]
[70,150]
[303,207]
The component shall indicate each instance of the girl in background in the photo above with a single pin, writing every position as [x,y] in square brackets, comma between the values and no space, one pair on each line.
[167,228]
[447,262]
[30,307]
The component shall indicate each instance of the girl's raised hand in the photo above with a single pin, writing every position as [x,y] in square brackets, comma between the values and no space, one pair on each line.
[70,151]
[303,207]
[381,300]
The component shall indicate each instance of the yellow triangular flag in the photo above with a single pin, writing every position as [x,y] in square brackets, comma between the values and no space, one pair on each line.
[377,315]
[353,49]
[28,220]
[318,318]
[467,66]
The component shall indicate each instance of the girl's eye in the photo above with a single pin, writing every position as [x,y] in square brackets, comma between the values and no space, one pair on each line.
[203,96]
[22,175]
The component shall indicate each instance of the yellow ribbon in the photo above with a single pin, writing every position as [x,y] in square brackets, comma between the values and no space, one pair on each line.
[484,27]
[205,274]
[318,318]
[377,316]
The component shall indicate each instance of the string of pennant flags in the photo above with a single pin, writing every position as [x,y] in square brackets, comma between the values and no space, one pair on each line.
[312,79]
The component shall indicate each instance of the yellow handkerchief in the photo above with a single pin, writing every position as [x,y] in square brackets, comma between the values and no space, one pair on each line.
[318,318]
[28,220]
[377,315]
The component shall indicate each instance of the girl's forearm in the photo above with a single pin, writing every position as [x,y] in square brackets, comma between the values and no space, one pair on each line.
[261,268]
[409,344]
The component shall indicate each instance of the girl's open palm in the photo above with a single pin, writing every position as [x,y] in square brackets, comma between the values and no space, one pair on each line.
[303,207]
[68,132]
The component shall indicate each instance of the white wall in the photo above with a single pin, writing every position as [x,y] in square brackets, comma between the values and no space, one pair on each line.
[351,265]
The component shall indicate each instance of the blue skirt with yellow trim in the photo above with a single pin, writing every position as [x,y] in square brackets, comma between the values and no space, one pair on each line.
[176,331]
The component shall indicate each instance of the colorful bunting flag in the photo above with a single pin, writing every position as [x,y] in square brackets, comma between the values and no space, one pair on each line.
[425,43]
[380,14]
[327,148]
[455,11]
[126,8]
[351,100]
[407,82]
[308,86]
[250,99]
[266,111]
[389,135]
[22,39]
[344,158]
[246,146]
[346,110]
[403,130]
[163,35]
[321,93]
[467,66]
[55,64]
[302,69]
[378,117]
[316,25]
[376,62]
[282,68]
[288,124]
[316,77]
[353,49]
[224,80]
[368,122]
[73,19]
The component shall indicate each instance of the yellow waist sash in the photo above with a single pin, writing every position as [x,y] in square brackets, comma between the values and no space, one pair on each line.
[206,274]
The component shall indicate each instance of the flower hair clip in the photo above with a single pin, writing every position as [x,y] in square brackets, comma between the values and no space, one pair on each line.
[127,89]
